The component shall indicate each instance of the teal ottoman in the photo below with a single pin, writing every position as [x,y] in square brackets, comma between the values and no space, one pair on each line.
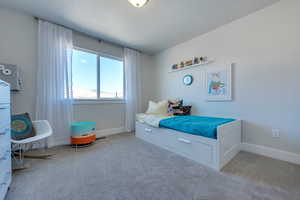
[83,133]
[83,128]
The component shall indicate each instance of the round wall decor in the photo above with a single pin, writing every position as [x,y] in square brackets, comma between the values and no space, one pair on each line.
[188,80]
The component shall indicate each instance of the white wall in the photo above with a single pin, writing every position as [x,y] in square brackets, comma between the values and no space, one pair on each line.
[90,43]
[147,80]
[109,115]
[18,45]
[266,49]
[264,46]
[106,115]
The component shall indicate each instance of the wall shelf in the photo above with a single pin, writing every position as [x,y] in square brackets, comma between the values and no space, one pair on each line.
[191,66]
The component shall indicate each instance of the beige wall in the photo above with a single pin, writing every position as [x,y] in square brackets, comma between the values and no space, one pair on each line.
[266,49]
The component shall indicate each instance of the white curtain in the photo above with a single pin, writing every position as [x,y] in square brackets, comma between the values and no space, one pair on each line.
[133,87]
[54,90]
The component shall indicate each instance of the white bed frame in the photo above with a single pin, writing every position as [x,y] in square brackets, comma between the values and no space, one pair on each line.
[214,153]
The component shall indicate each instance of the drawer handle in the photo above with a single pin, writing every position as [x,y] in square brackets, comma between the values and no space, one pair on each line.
[4,132]
[4,107]
[148,129]
[184,140]
[4,84]
[3,158]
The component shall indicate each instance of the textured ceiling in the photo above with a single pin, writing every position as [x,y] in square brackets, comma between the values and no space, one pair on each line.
[159,25]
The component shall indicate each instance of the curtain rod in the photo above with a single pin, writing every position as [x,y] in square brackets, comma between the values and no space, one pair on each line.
[99,39]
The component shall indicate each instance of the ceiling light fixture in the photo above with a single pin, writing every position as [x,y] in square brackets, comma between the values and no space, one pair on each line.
[138,3]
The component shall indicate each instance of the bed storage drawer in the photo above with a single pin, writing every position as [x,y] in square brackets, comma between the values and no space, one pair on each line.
[5,148]
[214,153]
[158,136]
[146,132]
[197,148]
[4,116]
[194,148]
[4,93]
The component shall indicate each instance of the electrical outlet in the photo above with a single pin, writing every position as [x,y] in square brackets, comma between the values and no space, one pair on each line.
[275,133]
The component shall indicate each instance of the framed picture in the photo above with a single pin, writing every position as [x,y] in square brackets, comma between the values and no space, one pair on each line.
[218,83]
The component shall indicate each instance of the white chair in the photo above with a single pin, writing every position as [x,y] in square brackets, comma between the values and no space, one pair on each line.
[43,130]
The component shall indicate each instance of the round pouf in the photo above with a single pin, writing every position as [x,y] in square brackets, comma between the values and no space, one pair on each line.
[83,133]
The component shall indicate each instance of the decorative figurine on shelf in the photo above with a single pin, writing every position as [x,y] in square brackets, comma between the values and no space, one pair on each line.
[202,59]
[175,66]
[181,64]
[189,63]
[196,60]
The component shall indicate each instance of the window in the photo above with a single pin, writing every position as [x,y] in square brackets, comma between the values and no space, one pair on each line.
[111,78]
[84,69]
[96,76]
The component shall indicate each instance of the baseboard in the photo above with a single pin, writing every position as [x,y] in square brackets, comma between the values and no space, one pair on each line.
[99,133]
[272,153]
[108,132]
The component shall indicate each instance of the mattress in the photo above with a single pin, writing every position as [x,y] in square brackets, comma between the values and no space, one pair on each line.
[195,125]
[151,119]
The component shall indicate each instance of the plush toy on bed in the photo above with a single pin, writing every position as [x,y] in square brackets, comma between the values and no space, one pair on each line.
[175,107]
[184,110]
[169,107]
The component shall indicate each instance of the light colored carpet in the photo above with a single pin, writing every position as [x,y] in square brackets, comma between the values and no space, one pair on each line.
[123,167]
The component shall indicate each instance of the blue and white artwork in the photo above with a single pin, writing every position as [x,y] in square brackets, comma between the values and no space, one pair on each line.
[218,83]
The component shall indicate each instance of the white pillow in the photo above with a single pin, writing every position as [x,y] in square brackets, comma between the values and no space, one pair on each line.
[160,107]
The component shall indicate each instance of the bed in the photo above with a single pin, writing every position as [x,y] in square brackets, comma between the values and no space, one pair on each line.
[207,140]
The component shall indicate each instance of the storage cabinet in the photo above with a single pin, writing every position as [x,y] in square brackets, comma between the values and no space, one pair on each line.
[5,146]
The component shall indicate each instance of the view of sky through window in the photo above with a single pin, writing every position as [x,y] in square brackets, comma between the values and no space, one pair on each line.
[85,84]
[111,78]
[84,68]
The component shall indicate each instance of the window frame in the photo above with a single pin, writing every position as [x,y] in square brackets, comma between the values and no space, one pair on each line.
[100,100]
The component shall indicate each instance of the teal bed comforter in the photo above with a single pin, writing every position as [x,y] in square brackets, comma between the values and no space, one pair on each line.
[195,125]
